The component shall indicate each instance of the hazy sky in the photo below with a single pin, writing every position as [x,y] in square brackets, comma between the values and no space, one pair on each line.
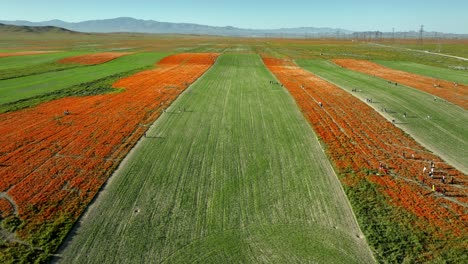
[436,15]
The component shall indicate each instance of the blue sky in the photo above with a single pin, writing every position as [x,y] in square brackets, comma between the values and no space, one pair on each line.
[443,16]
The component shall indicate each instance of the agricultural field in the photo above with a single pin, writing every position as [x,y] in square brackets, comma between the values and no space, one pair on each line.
[444,132]
[241,165]
[15,62]
[350,49]
[15,67]
[24,53]
[38,87]
[453,75]
[452,47]
[230,173]
[380,167]
[93,59]
[452,92]
[56,156]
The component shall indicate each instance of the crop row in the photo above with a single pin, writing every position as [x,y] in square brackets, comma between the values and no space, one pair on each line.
[361,142]
[453,92]
[93,59]
[55,157]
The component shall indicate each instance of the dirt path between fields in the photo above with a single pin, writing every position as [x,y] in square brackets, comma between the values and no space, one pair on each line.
[7,197]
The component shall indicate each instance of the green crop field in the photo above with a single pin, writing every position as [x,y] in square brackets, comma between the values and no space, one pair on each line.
[19,62]
[444,133]
[30,90]
[459,76]
[232,173]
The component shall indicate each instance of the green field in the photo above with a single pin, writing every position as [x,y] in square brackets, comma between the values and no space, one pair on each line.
[232,173]
[444,133]
[455,49]
[459,76]
[20,66]
[19,62]
[33,89]
[329,49]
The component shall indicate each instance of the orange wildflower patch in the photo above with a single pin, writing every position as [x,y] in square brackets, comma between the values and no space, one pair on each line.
[93,59]
[55,157]
[405,194]
[362,142]
[454,93]
[23,53]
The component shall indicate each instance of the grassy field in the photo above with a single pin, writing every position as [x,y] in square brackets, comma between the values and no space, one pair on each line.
[279,47]
[19,62]
[231,173]
[29,90]
[459,76]
[451,47]
[331,49]
[35,69]
[444,133]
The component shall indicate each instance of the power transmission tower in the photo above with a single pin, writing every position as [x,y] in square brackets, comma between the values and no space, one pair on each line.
[393,35]
[421,31]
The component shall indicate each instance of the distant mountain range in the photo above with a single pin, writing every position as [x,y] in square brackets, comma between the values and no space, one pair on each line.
[33,29]
[126,24]
[132,25]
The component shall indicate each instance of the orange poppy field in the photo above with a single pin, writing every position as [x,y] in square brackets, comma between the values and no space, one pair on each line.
[232,177]
[360,142]
[55,157]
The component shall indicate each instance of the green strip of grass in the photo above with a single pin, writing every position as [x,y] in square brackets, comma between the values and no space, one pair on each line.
[231,172]
[23,62]
[35,69]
